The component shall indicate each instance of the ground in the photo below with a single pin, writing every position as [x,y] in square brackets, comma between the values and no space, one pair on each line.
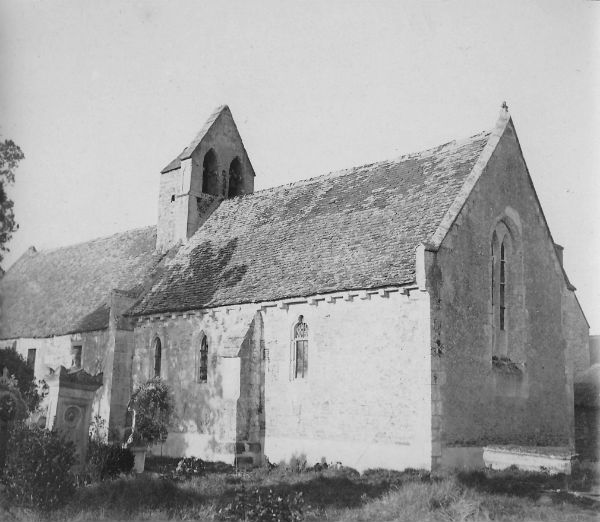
[333,494]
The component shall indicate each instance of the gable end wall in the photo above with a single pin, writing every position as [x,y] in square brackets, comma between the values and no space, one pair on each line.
[476,411]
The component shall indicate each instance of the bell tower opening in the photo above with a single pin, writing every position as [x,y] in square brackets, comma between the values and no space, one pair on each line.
[210,173]
[236,180]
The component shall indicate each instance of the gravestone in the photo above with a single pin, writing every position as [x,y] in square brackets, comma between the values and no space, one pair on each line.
[70,397]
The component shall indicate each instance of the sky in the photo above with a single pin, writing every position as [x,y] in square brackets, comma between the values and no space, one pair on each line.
[102,95]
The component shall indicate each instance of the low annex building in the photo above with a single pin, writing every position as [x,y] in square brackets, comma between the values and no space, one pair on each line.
[400,314]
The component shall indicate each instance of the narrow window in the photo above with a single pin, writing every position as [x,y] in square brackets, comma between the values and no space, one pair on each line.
[300,349]
[157,357]
[76,356]
[31,357]
[502,286]
[493,269]
[202,361]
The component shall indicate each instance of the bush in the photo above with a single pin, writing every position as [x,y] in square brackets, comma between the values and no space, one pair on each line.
[12,408]
[37,468]
[190,466]
[18,368]
[258,506]
[152,406]
[107,460]
[396,478]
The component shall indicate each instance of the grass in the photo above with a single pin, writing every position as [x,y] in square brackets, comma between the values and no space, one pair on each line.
[331,494]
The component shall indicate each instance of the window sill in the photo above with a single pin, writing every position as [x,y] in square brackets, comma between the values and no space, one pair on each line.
[506,366]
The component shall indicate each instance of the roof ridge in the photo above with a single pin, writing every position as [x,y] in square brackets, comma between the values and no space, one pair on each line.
[93,240]
[351,170]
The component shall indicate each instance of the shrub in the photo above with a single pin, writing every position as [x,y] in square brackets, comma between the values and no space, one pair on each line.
[18,368]
[98,430]
[12,408]
[258,506]
[396,478]
[152,406]
[37,468]
[190,466]
[107,460]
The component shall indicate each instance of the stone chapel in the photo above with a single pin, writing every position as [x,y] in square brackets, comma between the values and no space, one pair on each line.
[405,313]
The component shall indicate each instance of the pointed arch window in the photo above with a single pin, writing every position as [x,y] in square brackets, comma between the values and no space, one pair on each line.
[157,356]
[502,286]
[508,314]
[210,173]
[202,361]
[300,349]
[507,290]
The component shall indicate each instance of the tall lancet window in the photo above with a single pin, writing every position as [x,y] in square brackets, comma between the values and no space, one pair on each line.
[202,361]
[493,271]
[502,286]
[157,357]
[300,349]
[508,313]
[507,290]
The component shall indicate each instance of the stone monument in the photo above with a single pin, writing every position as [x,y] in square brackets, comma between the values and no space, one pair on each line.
[70,397]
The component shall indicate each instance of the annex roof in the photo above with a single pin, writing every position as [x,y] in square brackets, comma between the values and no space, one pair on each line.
[353,229]
[66,290]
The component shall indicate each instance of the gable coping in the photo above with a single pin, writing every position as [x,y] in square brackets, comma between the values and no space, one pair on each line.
[452,213]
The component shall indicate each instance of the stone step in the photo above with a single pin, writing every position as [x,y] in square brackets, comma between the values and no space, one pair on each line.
[247,447]
[247,460]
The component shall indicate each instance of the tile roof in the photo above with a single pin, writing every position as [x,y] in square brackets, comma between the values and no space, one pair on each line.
[66,290]
[354,229]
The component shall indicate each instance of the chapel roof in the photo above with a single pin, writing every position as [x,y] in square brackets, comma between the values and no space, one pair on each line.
[353,229]
[66,290]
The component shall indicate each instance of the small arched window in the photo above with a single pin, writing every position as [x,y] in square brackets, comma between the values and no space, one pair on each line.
[202,361]
[300,349]
[210,173]
[157,356]
[235,178]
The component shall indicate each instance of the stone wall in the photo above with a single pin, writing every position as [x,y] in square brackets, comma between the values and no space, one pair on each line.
[479,404]
[366,399]
[118,361]
[209,416]
[594,349]
[364,402]
[108,351]
[576,333]
[170,206]
[52,352]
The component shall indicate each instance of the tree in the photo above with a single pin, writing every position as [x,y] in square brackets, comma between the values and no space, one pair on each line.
[10,155]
